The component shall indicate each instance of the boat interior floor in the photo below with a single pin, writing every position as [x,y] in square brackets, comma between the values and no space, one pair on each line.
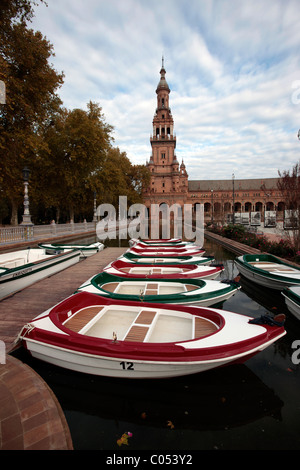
[269,266]
[139,324]
[148,288]
[146,270]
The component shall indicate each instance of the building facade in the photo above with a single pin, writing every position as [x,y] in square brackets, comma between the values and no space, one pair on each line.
[255,200]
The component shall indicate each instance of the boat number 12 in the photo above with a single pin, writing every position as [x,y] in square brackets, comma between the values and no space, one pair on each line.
[127,365]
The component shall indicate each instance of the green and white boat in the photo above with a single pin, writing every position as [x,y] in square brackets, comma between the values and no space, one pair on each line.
[179,291]
[268,271]
[86,250]
[292,300]
[171,260]
[22,268]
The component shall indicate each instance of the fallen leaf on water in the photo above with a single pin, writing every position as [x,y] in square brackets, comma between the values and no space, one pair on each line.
[124,439]
[170,424]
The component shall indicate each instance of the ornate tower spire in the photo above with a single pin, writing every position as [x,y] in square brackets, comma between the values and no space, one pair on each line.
[169,179]
[162,85]
[163,121]
[164,166]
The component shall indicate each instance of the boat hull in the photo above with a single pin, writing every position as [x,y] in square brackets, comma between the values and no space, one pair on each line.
[262,277]
[234,340]
[166,251]
[292,300]
[161,242]
[16,279]
[144,271]
[129,369]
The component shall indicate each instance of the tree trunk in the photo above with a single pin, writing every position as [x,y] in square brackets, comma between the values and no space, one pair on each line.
[71,211]
[14,213]
[57,215]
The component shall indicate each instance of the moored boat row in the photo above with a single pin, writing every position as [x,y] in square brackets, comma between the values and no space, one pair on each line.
[149,319]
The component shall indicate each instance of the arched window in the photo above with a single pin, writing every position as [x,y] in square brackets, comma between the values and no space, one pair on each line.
[258,206]
[248,207]
[227,207]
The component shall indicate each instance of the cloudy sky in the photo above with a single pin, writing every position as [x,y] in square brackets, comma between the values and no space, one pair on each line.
[233,67]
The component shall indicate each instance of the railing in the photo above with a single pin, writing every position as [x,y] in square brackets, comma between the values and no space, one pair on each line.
[31,232]
[163,137]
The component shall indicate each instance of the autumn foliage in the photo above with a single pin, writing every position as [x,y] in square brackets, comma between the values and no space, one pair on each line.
[70,153]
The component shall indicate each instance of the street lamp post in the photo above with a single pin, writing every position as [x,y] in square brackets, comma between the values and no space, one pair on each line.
[212,206]
[233,198]
[26,216]
[95,207]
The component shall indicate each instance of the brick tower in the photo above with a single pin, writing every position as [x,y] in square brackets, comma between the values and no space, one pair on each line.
[169,179]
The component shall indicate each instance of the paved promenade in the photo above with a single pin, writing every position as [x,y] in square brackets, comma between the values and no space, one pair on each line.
[30,416]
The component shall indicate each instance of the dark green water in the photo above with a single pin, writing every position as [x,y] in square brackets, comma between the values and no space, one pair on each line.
[254,406]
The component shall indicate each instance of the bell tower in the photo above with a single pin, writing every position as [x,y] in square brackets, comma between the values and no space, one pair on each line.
[169,179]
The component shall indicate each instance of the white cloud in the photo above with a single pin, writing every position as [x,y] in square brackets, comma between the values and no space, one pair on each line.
[232,67]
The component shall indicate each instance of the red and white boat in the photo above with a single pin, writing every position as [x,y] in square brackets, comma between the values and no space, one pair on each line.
[145,271]
[95,335]
[166,251]
[158,241]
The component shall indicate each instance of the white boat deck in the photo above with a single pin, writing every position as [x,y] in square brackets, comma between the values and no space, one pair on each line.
[274,267]
[148,288]
[22,257]
[139,324]
[150,270]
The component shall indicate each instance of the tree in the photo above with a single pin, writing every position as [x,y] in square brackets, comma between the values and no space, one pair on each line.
[14,11]
[77,144]
[31,97]
[69,153]
[79,160]
[118,177]
[289,185]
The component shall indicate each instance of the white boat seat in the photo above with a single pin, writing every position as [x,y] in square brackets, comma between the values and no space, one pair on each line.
[13,263]
[272,267]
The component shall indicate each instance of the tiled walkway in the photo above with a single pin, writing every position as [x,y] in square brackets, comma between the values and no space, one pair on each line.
[30,415]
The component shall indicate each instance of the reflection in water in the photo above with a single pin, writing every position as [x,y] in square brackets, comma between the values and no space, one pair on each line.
[250,406]
[218,400]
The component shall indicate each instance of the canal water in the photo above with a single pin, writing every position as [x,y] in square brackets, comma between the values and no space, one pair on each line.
[254,406]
